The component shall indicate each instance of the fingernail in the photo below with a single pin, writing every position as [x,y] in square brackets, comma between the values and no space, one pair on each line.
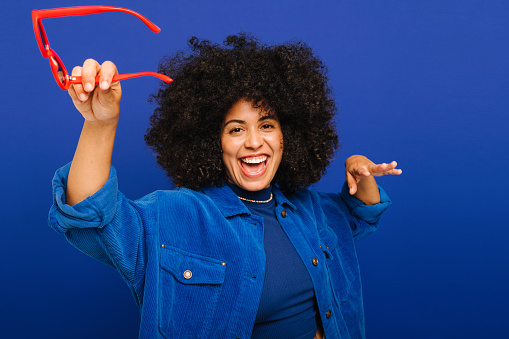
[83,97]
[89,87]
[105,84]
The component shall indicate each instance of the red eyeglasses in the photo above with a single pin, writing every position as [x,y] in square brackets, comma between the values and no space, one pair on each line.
[63,78]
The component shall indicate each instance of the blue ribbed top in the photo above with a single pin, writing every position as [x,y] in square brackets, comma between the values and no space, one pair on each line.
[287,306]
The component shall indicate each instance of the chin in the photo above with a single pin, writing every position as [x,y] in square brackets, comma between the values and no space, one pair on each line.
[253,185]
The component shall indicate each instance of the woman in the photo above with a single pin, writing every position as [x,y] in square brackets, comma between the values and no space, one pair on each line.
[240,249]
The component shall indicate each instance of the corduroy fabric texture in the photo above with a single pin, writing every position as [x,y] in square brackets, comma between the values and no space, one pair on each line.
[195,261]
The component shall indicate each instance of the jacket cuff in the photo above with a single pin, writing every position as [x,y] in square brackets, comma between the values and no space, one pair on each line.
[95,211]
[369,213]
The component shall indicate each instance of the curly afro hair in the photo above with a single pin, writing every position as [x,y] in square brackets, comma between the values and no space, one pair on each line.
[287,80]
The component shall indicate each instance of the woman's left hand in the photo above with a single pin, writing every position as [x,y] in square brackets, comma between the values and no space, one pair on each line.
[360,171]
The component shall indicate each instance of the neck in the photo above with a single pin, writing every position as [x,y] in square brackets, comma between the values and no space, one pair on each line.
[261,195]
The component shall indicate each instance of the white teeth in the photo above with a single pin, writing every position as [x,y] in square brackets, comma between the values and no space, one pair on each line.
[255,160]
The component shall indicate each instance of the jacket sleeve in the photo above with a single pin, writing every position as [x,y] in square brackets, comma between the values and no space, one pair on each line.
[362,219]
[106,226]
[369,213]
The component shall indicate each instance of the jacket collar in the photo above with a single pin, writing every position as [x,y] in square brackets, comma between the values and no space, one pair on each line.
[229,204]
[227,201]
[281,199]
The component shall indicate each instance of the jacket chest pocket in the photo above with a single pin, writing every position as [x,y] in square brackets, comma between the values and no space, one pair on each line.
[189,289]
[341,274]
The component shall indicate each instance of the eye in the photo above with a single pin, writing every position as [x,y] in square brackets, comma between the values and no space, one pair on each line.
[235,130]
[267,126]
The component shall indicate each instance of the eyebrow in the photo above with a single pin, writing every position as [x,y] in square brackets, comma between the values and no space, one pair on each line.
[265,117]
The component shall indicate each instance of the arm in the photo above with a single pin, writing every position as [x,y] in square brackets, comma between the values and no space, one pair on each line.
[360,173]
[361,202]
[106,226]
[100,108]
[87,206]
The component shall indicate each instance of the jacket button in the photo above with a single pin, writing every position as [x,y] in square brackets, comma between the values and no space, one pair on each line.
[283,213]
[315,261]
[188,274]
[329,313]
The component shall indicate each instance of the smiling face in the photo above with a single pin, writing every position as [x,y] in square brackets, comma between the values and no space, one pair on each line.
[252,143]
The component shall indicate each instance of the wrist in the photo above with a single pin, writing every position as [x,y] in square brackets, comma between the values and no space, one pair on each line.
[102,124]
[99,133]
[367,191]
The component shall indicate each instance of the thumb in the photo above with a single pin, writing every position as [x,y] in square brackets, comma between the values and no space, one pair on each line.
[352,183]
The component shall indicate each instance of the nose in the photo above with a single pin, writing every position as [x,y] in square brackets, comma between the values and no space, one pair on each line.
[254,140]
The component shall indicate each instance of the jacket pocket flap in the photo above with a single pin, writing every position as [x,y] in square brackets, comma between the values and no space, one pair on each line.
[189,268]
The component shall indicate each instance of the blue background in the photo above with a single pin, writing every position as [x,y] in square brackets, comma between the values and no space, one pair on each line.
[421,82]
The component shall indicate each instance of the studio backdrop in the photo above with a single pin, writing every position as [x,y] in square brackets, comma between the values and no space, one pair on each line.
[424,83]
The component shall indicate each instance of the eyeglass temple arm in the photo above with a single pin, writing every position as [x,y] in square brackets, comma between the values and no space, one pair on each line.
[77,79]
[86,10]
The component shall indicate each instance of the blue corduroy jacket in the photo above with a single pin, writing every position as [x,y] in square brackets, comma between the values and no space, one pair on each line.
[194,260]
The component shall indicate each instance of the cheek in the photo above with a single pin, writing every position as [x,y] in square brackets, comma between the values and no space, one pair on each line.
[230,149]
[228,164]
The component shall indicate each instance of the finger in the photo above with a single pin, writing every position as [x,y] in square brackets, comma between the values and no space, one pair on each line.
[76,91]
[108,70]
[395,171]
[90,69]
[364,171]
[382,168]
[389,170]
[390,166]
[352,183]
[359,170]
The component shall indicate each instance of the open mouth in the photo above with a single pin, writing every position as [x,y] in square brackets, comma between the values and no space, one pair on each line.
[254,166]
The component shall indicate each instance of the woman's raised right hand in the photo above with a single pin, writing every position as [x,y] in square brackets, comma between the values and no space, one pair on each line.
[96,102]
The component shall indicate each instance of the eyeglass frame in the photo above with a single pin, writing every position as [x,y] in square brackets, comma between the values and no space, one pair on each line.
[65,80]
